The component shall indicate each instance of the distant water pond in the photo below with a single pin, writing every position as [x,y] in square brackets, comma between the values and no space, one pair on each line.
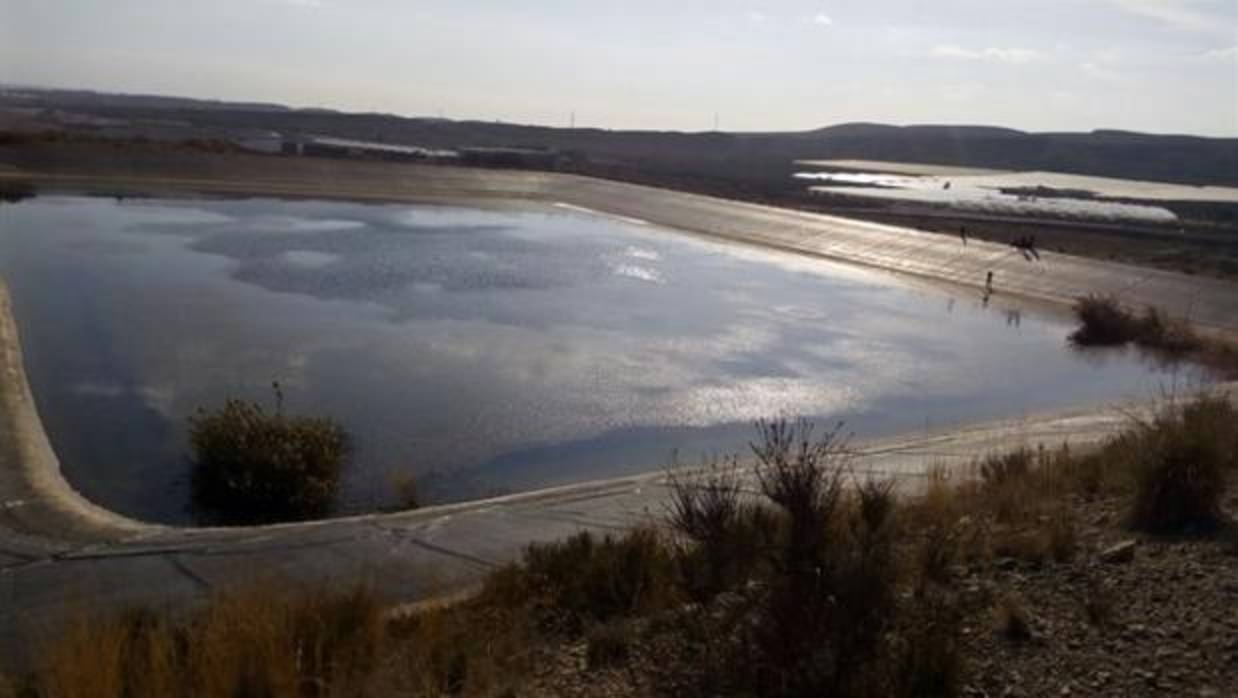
[1017,194]
[484,350]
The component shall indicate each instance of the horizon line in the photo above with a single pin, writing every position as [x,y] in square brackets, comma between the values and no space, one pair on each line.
[239,102]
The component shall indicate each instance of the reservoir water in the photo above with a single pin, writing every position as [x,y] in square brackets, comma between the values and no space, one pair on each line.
[486,350]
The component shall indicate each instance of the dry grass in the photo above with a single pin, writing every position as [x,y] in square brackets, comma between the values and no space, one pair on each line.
[7,689]
[1012,507]
[259,642]
[475,648]
[1172,466]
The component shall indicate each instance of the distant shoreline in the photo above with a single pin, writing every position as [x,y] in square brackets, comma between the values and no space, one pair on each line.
[1210,303]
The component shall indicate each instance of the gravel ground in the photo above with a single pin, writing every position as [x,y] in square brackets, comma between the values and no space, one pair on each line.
[1129,615]
[1164,620]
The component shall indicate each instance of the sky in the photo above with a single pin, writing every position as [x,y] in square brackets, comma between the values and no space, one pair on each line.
[1168,66]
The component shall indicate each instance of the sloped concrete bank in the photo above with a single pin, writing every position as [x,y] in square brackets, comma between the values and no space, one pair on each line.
[34,497]
[60,554]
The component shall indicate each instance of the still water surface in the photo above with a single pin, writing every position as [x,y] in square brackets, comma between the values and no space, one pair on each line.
[484,350]
[988,194]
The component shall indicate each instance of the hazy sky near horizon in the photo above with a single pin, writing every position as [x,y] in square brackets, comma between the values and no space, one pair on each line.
[1152,65]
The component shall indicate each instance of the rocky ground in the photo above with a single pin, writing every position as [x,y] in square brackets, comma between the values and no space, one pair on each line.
[1128,615]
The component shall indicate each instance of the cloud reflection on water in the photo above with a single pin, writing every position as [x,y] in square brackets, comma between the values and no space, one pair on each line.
[494,347]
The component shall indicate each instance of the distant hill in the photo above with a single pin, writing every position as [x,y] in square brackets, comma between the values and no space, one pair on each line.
[755,161]
[89,100]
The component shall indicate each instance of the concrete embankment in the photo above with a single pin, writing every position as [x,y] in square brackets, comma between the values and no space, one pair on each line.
[60,553]
[35,499]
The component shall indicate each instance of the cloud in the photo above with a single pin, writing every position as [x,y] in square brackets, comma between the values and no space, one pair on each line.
[1001,55]
[1221,55]
[1098,71]
[302,4]
[757,16]
[1176,13]
[965,92]
[823,19]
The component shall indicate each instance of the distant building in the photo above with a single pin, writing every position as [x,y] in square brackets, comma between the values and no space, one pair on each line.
[525,158]
[270,142]
[331,147]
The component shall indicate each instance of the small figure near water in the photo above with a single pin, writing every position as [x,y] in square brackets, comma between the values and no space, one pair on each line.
[1026,245]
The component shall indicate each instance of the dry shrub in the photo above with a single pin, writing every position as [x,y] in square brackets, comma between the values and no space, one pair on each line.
[877,503]
[943,534]
[1088,473]
[1027,545]
[1180,460]
[608,645]
[825,617]
[584,580]
[1050,538]
[407,492]
[724,533]
[1103,322]
[250,466]
[1063,536]
[13,191]
[1006,484]
[705,504]
[488,644]
[1001,469]
[939,498]
[927,660]
[1171,337]
[938,553]
[1023,485]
